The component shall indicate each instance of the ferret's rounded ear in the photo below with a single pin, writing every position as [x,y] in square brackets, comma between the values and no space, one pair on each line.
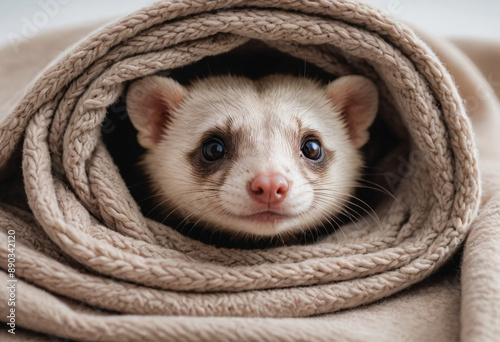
[356,98]
[150,103]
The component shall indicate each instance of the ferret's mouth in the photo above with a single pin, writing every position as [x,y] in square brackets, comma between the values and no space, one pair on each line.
[265,222]
[266,217]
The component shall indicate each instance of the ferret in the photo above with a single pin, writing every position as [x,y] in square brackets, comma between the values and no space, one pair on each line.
[269,157]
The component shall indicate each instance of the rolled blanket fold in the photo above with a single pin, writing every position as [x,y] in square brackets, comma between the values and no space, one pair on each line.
[88,261]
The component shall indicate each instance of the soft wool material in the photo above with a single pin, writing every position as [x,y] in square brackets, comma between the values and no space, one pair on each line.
[91,267]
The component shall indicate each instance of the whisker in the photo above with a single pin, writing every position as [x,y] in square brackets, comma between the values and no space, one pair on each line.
[186,203]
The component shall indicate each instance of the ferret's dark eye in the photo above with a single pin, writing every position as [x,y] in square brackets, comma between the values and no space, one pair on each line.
[312,149]
[213,150]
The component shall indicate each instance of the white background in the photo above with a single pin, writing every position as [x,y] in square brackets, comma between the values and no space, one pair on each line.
[21,19]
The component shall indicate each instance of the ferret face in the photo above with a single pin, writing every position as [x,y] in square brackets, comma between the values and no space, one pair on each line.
[261,158]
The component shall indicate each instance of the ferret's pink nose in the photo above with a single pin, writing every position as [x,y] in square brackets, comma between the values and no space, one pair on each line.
[269,188]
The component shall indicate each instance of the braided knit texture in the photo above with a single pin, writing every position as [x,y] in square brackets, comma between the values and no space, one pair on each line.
[83,247]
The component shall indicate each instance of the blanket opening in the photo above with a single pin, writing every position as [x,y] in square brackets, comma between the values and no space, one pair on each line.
[386,156]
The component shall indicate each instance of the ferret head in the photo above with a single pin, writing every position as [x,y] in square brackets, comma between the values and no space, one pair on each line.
[263,158]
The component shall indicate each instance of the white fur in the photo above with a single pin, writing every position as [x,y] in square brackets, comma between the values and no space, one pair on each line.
[266,110]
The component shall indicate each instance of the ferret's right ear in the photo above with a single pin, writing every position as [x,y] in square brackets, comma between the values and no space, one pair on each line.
[150,103]
[356,98]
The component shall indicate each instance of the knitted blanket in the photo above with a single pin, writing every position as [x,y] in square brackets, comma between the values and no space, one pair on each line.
[81,261]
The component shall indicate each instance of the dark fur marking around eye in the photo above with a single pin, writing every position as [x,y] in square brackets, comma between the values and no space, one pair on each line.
[202,168]
[317,166]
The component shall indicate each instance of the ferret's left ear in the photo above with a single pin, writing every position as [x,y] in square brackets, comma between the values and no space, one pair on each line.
[356,98]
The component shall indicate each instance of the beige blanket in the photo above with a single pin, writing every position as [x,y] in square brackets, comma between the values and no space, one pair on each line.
[87,265]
